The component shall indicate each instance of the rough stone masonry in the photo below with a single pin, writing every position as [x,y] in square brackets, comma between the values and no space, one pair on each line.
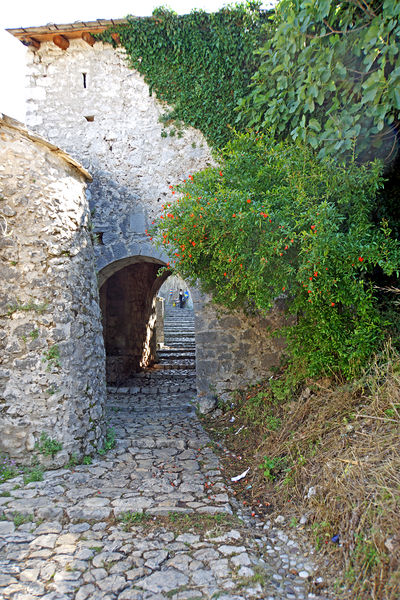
[89,102]
[52,377]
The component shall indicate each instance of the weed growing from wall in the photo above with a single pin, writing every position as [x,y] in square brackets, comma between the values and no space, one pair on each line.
[52,357]
[48,446]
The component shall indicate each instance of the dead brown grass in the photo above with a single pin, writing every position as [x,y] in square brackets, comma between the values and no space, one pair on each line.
[337,459]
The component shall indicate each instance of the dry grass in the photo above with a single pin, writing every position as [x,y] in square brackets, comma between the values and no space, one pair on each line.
[343,441]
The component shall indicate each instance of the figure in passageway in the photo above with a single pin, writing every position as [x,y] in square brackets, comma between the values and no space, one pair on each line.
[181,299]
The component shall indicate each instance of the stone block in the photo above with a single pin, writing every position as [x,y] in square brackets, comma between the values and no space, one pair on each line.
[109,237]
[119,250]
[137,222]
[207,404]
[36,93]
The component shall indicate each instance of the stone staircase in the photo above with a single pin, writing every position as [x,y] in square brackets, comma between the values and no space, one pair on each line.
[179,343]
[174,374]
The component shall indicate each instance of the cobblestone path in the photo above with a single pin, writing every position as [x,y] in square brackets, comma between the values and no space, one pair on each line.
[151,519]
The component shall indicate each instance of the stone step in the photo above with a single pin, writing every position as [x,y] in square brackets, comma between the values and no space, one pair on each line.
[177,319]
[179,331]
[172,312]
[178,315]
[179,343]
[178,323]
[163,377]
[187,351]
[174,360]
[184,351]
[176,349]
[176,366]
[178,328]
[176,357]
[178,339]
[189,330]
[162,358]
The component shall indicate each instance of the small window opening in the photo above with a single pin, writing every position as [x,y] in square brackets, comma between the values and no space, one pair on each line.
[98,237]
[90,118]
[84,80]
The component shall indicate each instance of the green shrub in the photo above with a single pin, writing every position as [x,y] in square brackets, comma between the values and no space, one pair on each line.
[271,467]
[275,221]
[109,441]
[20,519]
[34,473]
[330,76]
[52,356]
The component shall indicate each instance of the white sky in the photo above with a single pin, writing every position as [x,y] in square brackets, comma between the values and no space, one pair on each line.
[32,13]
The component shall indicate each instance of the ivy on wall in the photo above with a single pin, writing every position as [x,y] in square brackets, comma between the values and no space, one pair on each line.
[326,72]
[200,64]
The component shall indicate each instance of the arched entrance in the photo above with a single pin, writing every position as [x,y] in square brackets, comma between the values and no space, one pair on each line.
[128,289]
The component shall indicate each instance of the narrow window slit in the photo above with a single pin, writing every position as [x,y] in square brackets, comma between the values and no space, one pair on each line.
[98,238]
[84,80]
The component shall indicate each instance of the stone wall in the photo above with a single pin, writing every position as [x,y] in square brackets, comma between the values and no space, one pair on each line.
[233,350]
[112,127]
[51,346]
[131,163]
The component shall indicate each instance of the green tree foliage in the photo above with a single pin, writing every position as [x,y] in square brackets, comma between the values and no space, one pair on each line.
[276,220]
[200,64]
[330,76]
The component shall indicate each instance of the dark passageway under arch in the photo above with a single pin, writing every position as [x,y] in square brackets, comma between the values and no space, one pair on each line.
[128,306]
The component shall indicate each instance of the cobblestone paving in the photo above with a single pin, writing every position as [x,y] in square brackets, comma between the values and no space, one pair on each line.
[150,519]
[76,547]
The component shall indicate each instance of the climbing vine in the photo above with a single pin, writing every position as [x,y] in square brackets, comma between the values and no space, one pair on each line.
[326,72]
[200,64]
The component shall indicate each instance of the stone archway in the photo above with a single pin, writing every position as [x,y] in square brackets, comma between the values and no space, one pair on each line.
[128,305]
